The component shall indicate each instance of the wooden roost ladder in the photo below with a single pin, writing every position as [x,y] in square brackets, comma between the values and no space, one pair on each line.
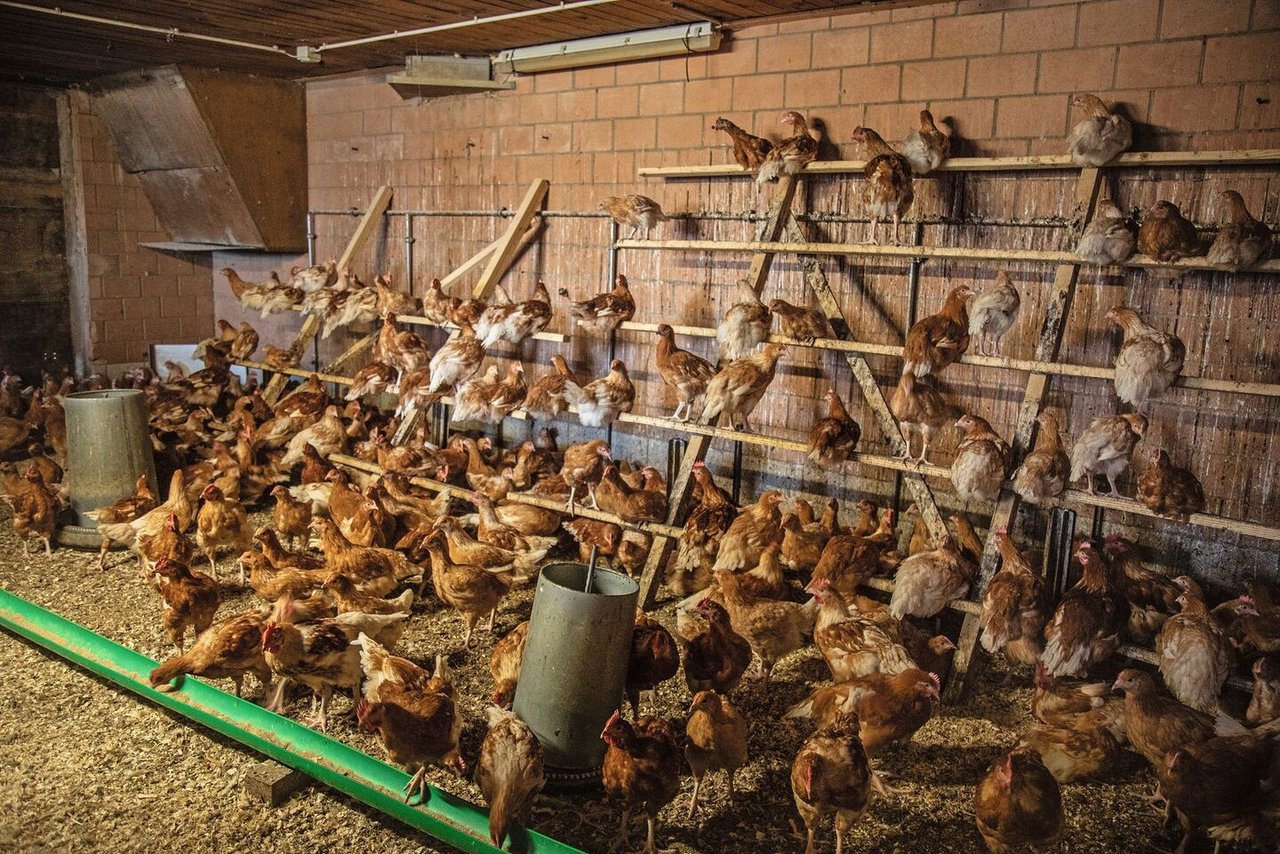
[780,221]
[311,323]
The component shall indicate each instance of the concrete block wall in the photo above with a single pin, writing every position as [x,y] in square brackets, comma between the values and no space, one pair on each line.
[137,296]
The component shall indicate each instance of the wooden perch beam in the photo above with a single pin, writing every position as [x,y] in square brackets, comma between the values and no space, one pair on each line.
[961,253]
[1132,159]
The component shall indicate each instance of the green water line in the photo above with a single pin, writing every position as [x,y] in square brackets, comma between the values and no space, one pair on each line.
[371,781]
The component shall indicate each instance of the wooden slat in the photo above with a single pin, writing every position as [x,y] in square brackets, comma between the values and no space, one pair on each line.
[1088,187]
[991,164]
[311,323]
[962,253]
[336,379]
[696,450]
[508,248]
[871,391]
[655,529]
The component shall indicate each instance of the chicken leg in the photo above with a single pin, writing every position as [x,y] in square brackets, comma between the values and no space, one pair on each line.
[871,238]
[621,838]
[417,785]
[48,550]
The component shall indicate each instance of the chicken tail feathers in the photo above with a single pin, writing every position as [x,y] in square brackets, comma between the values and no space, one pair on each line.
[770,170]
[168,671]
[802,709]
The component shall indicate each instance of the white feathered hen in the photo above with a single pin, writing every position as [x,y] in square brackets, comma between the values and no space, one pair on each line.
[1100,137]
[1109,237]
[512,322]
[327,436]
[744,325]
[927,146]
[991,314]
[1105,447]
[981,460]
[1149,360]
[601,401]
[927,581]
[456,360]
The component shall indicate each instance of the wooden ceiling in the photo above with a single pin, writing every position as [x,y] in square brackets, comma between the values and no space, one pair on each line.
[53,50]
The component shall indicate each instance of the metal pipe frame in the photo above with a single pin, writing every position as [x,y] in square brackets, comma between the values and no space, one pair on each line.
[450,819]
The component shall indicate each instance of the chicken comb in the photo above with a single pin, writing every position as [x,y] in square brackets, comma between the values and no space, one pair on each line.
[937,683]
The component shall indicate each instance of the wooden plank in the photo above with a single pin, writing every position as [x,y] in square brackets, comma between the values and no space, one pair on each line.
[350,353]
[1063,369]
[955,253]
[336,379]
[991,164]
[871,391]
[371,220]
[680,488]
[311,324]
[1088,187]
[501,257]
[1204,520]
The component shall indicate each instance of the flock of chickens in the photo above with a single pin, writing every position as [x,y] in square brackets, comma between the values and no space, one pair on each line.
[759,583]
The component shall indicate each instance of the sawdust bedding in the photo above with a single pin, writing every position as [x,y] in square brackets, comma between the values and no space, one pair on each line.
[90,768]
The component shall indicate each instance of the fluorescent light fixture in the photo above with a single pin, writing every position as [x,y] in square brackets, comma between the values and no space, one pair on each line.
[623,47]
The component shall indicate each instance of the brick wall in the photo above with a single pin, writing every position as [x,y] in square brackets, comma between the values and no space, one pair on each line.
[1192,75]
[137,296]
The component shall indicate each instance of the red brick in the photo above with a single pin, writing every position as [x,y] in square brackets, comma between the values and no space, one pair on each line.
[924,81]
[635,133]
[841,48]
[614,167]
[735,60]
[1118,22]
[1197,18]
[680,131]
[618,101]
[376,122]
[1251,57]
[552,137]
[968,35]
[783,53]
[595,77]
[578,105]
[1260,106]
[684,67]
[1195,108]
[633,73]
[870,84]
[971,118]
[1039,29]
[1086,70]
[764,91]
[553,81]
[120,286]
[1039,115]
[537,108]
[1158,65]
[661,99]
[1266,15]
[908,40]
[1002,75]
[593,136]
[813,88]
[892,121]
[707,96]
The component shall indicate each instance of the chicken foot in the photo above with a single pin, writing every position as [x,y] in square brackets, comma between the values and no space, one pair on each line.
[621,838]
[871,236]
[417,785]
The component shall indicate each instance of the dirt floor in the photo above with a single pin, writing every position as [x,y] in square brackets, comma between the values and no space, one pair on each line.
[88,767]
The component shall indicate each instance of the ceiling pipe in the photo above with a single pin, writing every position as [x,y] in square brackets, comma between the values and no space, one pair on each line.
[169,33]
[470,22]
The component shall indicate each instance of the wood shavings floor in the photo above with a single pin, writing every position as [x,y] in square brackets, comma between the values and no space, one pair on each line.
[88,767]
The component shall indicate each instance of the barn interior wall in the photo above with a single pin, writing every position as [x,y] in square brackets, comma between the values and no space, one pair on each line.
[33,277]
[1194,76]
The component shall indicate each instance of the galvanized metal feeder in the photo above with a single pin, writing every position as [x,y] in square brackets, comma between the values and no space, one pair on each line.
[575,666]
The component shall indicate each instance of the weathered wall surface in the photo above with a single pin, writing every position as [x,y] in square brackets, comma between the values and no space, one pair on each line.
[33,272]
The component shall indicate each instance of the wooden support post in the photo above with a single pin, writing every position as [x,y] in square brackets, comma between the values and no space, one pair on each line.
[350,353]
[311,324]
[1051,331]
[503,254]
[916,485]
[696,450]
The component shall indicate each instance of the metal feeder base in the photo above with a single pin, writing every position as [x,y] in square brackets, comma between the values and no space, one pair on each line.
[571,779]
[76,537]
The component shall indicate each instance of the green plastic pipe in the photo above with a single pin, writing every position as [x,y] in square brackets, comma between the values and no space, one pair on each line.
[371,781]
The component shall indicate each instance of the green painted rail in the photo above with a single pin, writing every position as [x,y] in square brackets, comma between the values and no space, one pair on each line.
[369,780]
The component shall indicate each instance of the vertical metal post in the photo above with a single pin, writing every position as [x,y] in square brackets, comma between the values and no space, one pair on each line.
[408,252]
[913,304]
[737,471]
[608,285]
[311,238]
